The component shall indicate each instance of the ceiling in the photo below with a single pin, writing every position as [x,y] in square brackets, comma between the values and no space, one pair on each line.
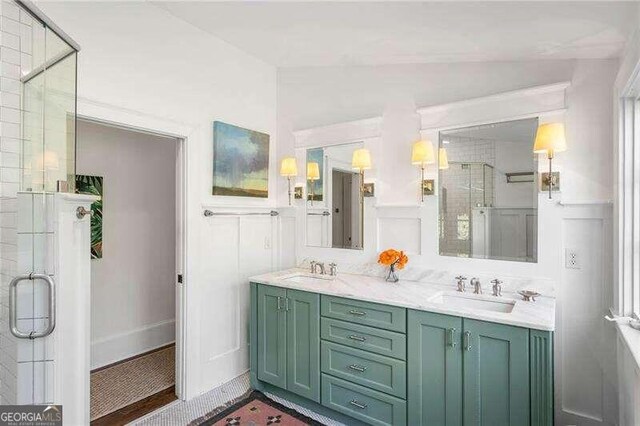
[288,34]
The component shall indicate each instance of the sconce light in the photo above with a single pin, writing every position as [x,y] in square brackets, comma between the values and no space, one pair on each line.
[361,161]
[443,159]
[289,169]
[313,174]
[550,139]
[421,155]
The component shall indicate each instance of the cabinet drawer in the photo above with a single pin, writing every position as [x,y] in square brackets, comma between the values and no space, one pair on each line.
[381,316]
[364,404]
[364,368]
[371,339]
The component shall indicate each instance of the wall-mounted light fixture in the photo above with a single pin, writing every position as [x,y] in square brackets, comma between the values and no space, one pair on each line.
[361,161]
[289,169]
[550,139]
[421,155]
[313,174]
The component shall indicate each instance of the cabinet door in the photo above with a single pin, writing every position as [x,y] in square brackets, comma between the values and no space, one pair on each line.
[272,335]
[434,369]
[303,344]
[496,374]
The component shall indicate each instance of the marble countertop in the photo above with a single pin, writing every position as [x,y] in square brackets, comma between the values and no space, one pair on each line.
[538,315]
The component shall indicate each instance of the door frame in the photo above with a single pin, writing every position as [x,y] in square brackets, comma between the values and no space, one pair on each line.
[181,242]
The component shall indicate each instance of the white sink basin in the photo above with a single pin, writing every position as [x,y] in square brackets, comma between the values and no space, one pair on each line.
[302,278]
[475,302]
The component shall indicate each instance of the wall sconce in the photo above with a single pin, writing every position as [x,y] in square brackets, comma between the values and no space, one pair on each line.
[421,155]
[313,174]
[289,169]
[550,139]
[443,159]
[361,161]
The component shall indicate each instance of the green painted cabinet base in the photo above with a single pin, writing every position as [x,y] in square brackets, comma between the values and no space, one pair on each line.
[452,371]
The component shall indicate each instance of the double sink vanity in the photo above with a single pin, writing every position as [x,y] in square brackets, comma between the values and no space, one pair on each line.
[361,350]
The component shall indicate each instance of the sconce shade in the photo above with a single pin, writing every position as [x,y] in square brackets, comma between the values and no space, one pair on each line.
[550,139]
[288,167]
[361,159]
[422,153]
[313,171]
[443,160]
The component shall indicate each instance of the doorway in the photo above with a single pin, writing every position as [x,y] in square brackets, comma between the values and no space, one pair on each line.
[136,255]
[345,188]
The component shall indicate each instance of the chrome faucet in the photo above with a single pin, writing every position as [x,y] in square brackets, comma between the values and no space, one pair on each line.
[333,269]
[461,283]
[315,265]
[477,287]
[497,287]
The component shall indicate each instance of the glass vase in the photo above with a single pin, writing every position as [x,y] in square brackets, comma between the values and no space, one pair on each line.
[392,276]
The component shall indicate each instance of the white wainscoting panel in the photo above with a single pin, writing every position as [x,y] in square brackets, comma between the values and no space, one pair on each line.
[400,233]
[628,377]
[585,376]
[240,246]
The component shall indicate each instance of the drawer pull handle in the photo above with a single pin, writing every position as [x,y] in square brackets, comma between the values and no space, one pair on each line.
[358,368]
[357,313]
[357,338]
[358,404]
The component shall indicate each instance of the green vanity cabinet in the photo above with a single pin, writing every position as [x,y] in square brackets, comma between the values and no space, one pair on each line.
[496,374]
[435,369]
[288,326]
[468,372]
[364,363]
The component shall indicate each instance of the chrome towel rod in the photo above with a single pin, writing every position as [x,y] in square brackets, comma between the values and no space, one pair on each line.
[209,213]
[319,214]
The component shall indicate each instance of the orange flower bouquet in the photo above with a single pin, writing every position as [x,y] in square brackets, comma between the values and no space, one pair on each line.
[394,259]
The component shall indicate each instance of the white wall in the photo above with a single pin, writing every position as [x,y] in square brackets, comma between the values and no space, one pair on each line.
[133,285]
[585,360]
[141,66]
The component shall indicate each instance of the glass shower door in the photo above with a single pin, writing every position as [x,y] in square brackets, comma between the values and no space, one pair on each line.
[43,80]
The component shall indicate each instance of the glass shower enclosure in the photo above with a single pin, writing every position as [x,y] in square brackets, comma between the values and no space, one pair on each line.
[38,141]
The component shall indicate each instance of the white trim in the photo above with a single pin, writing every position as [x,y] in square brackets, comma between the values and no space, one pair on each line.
[120,346]
[338,134]
[110,115]
[507,106]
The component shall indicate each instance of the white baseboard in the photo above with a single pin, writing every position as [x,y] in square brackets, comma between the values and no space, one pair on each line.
[114,348]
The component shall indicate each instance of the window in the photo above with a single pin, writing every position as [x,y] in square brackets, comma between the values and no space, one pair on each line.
[628,213]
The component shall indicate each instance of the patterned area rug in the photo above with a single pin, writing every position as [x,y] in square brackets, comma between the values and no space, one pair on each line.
[123,384]
[254,409]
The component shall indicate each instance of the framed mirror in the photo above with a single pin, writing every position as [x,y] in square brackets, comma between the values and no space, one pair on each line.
[334,207]
[488,202]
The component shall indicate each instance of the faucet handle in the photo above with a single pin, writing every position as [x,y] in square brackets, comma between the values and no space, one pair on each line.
[313,264]
[461,278]
[333,269]
[497,287]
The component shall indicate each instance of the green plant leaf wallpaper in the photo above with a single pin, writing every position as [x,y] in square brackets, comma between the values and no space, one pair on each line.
[93,185]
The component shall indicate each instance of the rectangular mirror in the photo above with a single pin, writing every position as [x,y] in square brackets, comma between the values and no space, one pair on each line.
[488,192]
[334,210]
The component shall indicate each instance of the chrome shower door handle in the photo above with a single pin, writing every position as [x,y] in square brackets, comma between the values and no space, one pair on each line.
[13,311]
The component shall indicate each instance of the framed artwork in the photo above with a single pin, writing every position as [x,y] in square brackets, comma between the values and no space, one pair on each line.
[93,185]
[298,192]
[240,161]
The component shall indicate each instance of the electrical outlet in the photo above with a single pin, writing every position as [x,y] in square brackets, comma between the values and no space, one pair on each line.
[571,259]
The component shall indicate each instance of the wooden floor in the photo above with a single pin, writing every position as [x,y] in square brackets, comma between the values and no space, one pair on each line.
[137,409]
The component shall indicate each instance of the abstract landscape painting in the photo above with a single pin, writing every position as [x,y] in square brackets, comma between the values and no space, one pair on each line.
[93,185]
[240,161]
